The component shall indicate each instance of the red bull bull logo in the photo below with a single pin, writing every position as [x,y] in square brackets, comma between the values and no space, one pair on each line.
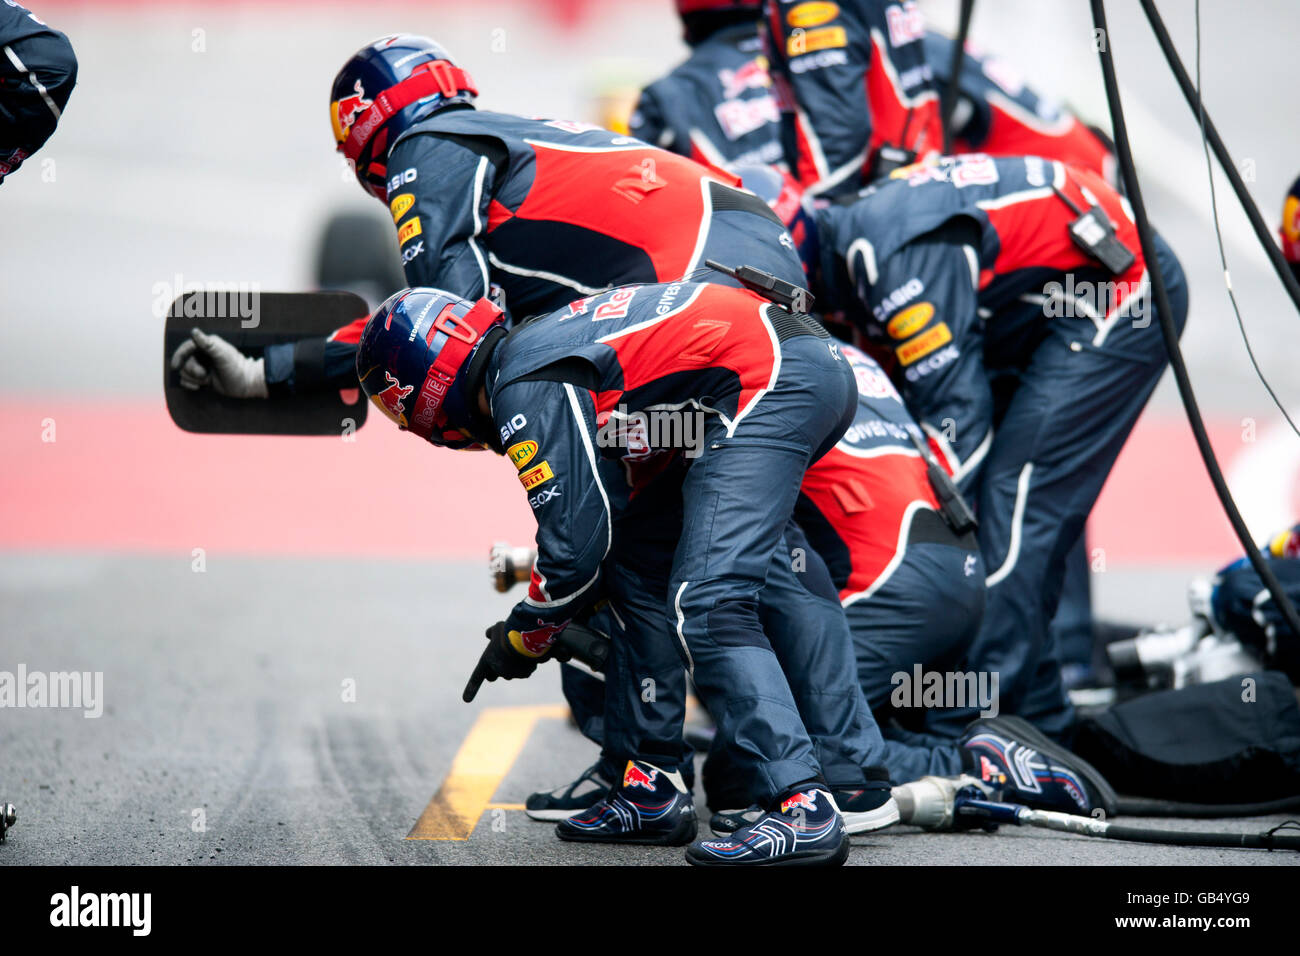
[753,75]
[801,801]
[634,776]
[391,399]
[990,772]
[346,110]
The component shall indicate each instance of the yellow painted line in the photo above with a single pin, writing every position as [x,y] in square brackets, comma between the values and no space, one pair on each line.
[506,806]
[486,756]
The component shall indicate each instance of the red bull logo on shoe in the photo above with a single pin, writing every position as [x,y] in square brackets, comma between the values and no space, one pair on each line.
[802,801]
[990,772]
[634,776]
[344,112]
[390,400]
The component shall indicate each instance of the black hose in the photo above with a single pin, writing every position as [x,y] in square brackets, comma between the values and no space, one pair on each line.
[948,104]
[1193,98]
[1267,840]
[1167,328]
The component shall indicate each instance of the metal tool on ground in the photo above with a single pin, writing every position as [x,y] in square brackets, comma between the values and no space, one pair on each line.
[964,803]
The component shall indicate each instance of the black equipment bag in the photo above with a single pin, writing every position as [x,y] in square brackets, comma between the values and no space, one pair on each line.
[1221,745]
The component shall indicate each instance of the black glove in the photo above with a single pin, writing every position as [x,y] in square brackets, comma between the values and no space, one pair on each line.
[499,659]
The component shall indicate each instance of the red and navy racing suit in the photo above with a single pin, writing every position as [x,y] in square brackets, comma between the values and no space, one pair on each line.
[770,392]
[855,81]
[911,588]
[1023,359]
[718,106]
[545,211]
[998,114]
[37,72]
[1242,606]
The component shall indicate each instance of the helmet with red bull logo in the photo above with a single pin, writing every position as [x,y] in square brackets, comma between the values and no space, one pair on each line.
[385,87]
[421,359]
[786,198]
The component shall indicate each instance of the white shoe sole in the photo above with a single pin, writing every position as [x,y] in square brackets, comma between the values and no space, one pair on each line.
[553,816]
[885,815]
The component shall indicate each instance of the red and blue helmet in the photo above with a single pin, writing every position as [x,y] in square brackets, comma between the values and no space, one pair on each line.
[381,91]
[785,197]
[420,358]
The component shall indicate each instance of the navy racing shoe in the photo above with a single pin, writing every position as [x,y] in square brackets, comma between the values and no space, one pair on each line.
[567,799]
[1015,758]
[864,809]
[805,829]
[650,806]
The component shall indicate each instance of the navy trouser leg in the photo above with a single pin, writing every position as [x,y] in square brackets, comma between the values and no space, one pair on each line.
[1077,401]
[926,613]
[585,693]
[738,497]
[645,682]
[802,617]
[1073,620]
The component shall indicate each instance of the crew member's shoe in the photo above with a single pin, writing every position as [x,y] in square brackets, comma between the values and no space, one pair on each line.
[1017,759]
[864,808]
[567,799]
[804,829]
[869,807]
[650,805]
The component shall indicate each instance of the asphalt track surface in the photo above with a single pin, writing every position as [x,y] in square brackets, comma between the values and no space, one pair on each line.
[223,693]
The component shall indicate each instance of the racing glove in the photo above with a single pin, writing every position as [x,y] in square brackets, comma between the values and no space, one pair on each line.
[508,655]
[211,360]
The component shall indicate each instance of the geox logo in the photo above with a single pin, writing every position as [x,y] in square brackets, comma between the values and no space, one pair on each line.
[102,909]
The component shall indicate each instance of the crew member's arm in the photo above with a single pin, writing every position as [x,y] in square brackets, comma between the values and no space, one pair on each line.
[549,432]
[441,218]
[937,339]
[821,72]
[650,124]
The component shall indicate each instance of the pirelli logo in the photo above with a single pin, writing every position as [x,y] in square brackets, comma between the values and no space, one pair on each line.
[409,230]
[538,475]
[924,344]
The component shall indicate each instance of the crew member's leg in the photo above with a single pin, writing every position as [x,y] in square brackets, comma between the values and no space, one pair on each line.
[738,497]
[1077,401]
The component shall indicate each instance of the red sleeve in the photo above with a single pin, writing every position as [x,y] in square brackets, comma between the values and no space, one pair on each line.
[350,334]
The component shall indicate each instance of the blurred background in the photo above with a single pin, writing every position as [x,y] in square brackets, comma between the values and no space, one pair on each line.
[227,585]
